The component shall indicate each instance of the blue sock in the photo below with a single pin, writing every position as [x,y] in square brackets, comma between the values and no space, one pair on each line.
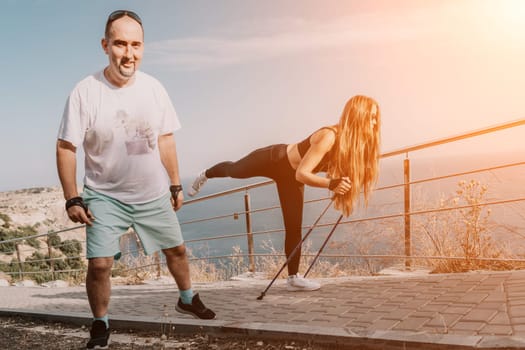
[186,296]
[104,318]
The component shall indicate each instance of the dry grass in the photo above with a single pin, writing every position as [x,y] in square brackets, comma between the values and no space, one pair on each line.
[462,233]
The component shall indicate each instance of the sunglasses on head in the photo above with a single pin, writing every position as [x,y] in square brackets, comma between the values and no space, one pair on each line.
[121,13]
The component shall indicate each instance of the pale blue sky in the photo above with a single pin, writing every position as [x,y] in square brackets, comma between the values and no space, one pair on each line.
[244,74]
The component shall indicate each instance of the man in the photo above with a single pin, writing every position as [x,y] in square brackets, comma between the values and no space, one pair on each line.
[125,121]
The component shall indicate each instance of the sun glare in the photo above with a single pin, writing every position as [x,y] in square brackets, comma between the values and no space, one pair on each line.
[508,17]
[513,11]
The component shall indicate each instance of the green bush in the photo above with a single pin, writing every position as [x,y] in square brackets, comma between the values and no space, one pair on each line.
[54,240]
[38,264]
[23,231]
[71,247]
[10,267]
[6,219]
[7,248]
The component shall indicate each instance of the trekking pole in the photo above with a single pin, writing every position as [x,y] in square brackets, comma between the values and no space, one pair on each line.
[263,293]
[324,244]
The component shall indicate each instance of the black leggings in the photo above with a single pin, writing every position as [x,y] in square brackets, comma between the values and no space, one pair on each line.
[272,162]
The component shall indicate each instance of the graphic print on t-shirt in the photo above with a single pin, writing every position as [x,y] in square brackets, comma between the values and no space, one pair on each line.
[97,140]
[140,138]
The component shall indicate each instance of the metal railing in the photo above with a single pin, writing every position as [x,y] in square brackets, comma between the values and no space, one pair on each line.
[405,216]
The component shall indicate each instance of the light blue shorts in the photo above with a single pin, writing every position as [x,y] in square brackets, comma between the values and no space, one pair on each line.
[155,223]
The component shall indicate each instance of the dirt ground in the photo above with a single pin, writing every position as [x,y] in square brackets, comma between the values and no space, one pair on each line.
[21,333]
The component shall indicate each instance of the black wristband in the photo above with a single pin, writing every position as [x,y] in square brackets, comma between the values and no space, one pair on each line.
[334,183]
[76,201]
[175,190]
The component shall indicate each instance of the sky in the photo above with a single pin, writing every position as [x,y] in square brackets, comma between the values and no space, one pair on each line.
[244,74]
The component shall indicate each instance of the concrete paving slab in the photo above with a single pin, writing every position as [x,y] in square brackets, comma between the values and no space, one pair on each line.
[448,311]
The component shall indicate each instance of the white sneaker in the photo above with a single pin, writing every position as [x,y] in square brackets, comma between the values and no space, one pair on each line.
[197,184]
[296,283]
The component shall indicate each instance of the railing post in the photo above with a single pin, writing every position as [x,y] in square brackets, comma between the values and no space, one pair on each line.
[249,234]
[408,249]
[156,256]
[20,269]
[51,261]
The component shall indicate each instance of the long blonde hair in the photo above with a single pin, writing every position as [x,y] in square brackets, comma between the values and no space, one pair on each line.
[355,153]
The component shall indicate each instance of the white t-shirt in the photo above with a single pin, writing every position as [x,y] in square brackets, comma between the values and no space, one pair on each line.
[119,129]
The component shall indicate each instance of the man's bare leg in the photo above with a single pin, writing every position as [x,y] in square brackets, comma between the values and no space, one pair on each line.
[98,285]
[178,265]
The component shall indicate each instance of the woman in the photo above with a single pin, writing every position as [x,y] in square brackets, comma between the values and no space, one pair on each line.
[347,152]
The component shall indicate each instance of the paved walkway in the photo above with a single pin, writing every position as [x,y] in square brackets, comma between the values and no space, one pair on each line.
[448,311]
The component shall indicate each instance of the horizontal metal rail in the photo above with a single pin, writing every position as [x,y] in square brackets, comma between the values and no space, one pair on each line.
[459,137]
[41,234]
[43,272]
[239,213]
[435,178]
[44,260]
[326,256]
[382,217]
[231,191]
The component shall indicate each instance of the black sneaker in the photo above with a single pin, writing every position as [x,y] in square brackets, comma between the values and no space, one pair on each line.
[195,309]
[99,336]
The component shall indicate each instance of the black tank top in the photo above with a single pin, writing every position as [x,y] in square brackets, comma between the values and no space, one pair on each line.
[304,146]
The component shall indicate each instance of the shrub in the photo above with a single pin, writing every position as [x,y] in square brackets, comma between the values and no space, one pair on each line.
[7,248]
[462,233]
[54,240]
[6,219]
[23,231]
[71,247]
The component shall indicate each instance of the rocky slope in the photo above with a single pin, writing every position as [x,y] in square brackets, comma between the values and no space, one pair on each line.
[44,206]
[41,208]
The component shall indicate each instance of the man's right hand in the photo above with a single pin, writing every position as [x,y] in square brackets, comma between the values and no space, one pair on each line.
[78,214]
[78,211]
